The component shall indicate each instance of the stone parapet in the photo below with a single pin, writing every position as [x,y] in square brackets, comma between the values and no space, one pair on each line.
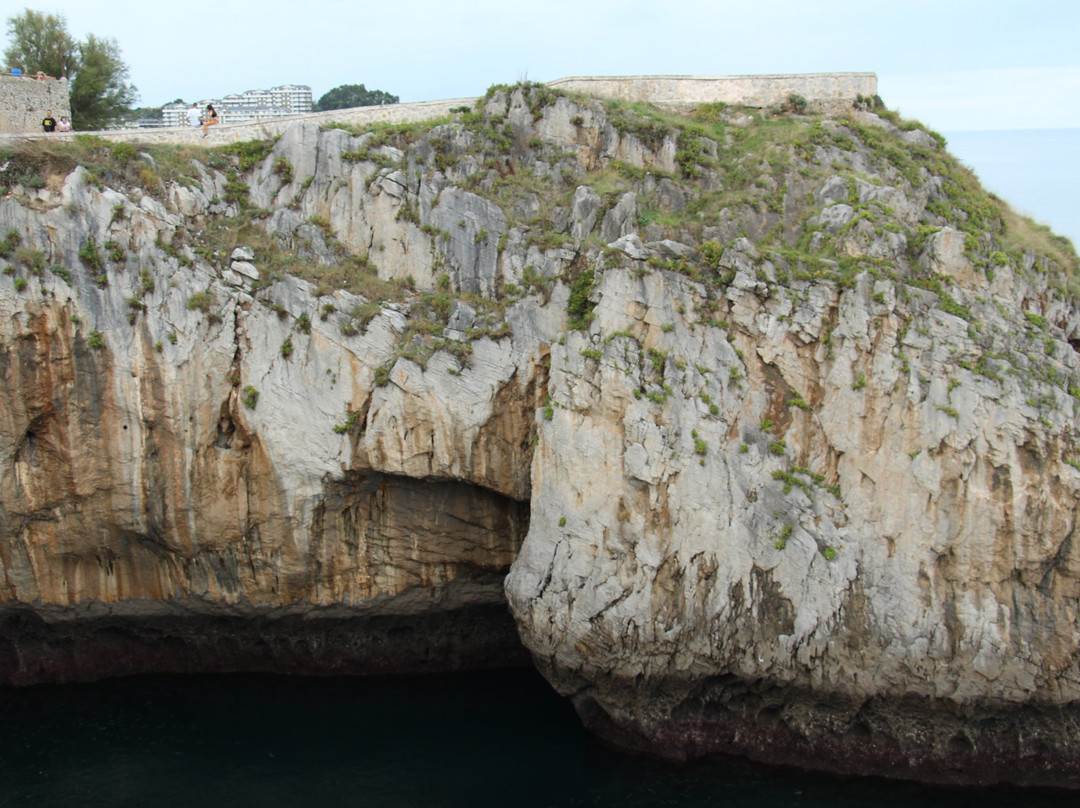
[235,133]
[824,89]
[25,100]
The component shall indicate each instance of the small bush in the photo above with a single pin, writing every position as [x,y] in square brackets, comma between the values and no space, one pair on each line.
[33,260]
[250,397]
[95,340]
[283,168]
[350,423]
[91,255]
[10,242]
[116,252]
[579,308]
[287,348]
[201,301]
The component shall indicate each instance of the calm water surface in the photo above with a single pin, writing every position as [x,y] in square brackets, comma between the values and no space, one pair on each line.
[471,740]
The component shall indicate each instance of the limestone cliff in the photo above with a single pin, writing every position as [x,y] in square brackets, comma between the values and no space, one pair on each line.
[771,418]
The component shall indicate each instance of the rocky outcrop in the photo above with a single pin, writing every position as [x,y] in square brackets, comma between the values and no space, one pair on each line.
[780,464]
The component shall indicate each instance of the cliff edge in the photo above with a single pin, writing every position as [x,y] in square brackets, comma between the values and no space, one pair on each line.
[763,423]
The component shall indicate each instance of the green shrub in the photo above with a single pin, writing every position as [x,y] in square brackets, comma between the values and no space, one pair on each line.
[33,260]
[579,308]
[201,301]
[250,397]
[283,168]
[95,340]
[287,348]
[236,191]
[91,255]
[116,252]
[250,152]
[10,242]
[350,422]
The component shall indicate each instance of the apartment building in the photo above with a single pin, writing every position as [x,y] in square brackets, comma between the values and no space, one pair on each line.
[253,105]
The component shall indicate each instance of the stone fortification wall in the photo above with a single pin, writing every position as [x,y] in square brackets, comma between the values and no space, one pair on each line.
[25,100]
[825,89]
[234,133]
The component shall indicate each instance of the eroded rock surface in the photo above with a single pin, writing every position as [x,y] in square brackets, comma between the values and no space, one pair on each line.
[791,473]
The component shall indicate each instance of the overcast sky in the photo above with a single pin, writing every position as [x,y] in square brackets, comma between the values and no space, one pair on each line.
[953,64]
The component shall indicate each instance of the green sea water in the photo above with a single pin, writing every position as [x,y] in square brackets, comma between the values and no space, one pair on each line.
[490,739]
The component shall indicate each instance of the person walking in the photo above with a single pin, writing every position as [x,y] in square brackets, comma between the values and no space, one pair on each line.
[209,119]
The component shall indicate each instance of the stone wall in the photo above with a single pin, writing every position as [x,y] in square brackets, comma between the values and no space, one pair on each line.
[234,133]
[24,102]
[824,89]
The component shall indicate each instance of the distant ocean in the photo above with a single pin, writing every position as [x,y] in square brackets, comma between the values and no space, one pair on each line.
[1037,171]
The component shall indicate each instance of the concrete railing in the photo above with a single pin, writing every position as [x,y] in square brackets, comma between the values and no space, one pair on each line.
[825,90]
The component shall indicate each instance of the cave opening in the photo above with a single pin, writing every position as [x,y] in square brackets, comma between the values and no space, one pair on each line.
[399,575]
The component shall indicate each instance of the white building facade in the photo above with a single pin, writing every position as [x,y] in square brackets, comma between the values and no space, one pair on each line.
[253,105]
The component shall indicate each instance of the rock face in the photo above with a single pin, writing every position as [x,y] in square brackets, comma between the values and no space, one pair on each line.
[783,465]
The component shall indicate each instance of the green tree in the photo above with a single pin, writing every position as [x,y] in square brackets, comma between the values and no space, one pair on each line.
[98,88]
[41,42]
[100,92]
[353,95]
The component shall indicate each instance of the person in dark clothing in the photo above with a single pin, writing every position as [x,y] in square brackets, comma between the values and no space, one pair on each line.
[209,119]
[48,123]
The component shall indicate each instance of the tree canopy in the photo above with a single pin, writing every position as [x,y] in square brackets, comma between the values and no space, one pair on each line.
[40,41]
[353,95]
[99,90]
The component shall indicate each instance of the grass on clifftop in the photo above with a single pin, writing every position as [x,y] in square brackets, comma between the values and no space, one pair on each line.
[742,173]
